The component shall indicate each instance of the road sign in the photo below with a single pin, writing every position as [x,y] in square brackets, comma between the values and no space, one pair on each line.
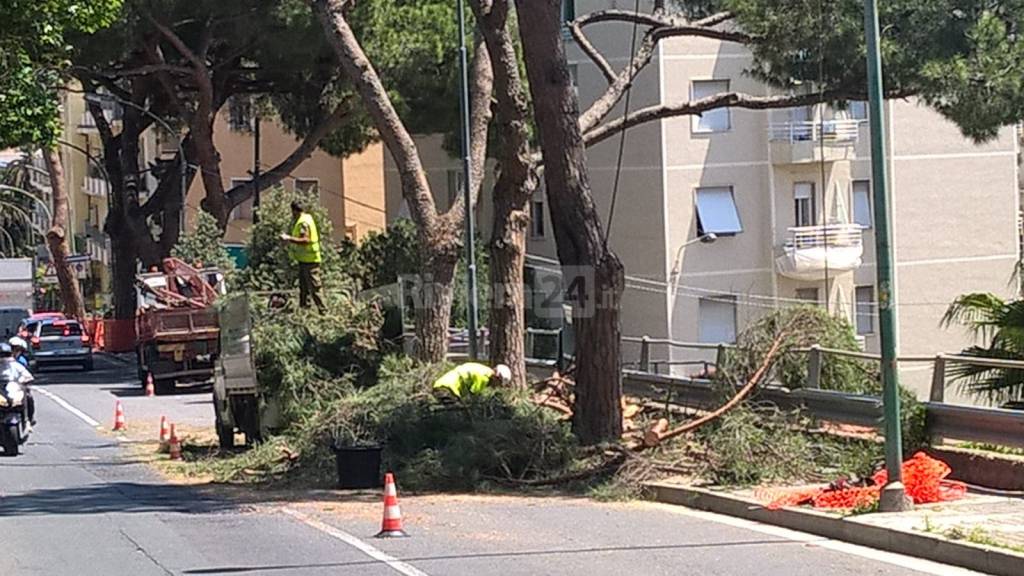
[80,263]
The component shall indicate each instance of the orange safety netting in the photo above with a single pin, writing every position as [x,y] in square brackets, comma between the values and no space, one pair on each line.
[924,479]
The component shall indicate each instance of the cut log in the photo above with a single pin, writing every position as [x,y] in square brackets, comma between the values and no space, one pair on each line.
[654,433]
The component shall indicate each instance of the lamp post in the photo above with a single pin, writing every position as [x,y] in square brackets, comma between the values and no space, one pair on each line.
[97,98]
[471,304]
[673,283]
[893,498]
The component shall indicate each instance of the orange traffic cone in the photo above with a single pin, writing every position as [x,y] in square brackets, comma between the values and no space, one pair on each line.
[119,417]
[150,389]
[392,525]
[175,445]
[165,431]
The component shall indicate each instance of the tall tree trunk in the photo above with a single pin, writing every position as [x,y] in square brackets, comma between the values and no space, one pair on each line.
[507,324]
[439,234]
[57,238]
[593,274]
[516,183]
[434,297]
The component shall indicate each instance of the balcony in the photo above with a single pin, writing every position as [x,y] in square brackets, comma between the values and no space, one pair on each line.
[811,250]
[96,187]
[810,141]
[87,124]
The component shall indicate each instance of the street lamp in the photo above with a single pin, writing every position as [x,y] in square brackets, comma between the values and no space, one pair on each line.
[673,283]
[97,98]
[893,497]
[471,305]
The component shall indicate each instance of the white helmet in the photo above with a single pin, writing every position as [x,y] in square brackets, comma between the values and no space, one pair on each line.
[503,372]
[17,342]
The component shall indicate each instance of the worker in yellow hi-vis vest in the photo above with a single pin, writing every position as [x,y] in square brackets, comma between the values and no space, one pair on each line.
[472,378]
[304,244]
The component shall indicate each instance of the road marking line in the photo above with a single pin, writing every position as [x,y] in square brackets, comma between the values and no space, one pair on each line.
[909,562]
[65,405]
[392,562]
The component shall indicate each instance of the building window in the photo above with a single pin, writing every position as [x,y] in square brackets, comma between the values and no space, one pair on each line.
[244,210]
[568,10]
[537,219]
[308,186]
[718,320]
[574,78]
[865,310]
[857,109]
[862,202]
[716,212]
[717,120]
[807,295]
[804,206]
[456,181]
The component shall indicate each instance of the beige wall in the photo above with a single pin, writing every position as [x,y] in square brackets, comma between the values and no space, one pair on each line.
[351,189]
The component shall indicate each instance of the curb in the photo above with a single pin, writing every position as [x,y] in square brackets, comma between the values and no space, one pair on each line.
[976,557]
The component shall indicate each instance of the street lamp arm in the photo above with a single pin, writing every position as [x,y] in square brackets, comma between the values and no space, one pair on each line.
[49,213]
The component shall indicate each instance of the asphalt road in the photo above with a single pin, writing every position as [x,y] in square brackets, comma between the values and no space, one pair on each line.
[76,504]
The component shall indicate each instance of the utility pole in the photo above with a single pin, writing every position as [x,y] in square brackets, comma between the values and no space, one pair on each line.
[471,305]
[256,168]
[893,497]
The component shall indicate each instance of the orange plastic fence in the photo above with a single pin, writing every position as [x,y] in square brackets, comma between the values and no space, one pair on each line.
[924,478]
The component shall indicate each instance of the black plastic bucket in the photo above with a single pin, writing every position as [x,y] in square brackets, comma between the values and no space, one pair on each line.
[358,467]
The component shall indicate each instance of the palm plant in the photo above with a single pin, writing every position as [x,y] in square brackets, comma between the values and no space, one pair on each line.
[999,325]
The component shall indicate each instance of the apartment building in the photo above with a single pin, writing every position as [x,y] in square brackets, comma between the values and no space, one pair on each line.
[786,196]
[351,188]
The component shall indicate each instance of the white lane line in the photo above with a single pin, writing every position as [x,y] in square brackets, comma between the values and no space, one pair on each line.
[911,563]
[65,405]
[392,562]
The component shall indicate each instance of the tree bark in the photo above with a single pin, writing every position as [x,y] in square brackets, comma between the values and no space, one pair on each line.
[435,293]
[439,235]
[517,180]
[57,238]
[594,275]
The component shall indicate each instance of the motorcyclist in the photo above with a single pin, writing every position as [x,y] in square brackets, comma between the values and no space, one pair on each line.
[20,349]
[12,371]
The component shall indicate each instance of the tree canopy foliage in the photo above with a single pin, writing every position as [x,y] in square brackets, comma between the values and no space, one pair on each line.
[33,59]
[965,58]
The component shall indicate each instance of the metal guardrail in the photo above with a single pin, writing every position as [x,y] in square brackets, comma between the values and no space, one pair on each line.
[966,423]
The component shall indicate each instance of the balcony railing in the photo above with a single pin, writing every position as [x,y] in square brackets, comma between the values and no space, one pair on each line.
[837,131]
[811,250]
[94,187]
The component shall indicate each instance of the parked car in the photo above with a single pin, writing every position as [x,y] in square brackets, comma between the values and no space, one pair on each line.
[59,342]
[10,320]
[28,326]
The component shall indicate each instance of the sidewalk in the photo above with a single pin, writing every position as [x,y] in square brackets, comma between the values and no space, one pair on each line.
[989,520]
[980,532]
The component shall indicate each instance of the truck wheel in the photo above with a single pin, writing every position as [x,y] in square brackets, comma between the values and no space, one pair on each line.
[225,432]
[11,435]
[226,437]
[164,386]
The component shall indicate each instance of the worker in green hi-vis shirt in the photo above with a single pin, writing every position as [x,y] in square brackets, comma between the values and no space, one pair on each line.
[472,378]
[304,244]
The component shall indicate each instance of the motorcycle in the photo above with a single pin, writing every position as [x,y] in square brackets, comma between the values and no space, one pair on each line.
[14,425]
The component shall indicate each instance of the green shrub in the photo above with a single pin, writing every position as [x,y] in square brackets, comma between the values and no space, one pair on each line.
[808,326]
[204,245]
